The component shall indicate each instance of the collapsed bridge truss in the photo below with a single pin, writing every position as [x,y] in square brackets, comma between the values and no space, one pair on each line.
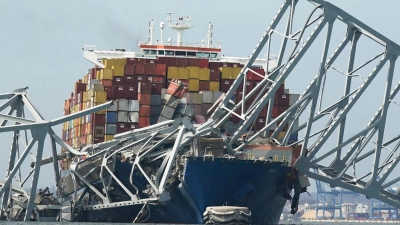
[330,143]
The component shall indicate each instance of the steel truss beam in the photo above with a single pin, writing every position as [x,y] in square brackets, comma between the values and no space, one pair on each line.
[39,128]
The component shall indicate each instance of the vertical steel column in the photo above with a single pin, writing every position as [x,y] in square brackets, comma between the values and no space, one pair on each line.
[382,122]
[55,161]
[11,162]
[322,70]
[356,35]
[40,134]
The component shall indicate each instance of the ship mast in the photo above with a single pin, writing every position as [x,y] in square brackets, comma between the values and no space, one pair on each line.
[179,26]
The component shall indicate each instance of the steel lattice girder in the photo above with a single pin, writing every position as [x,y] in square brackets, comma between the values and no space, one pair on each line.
[314,143]
[39,128]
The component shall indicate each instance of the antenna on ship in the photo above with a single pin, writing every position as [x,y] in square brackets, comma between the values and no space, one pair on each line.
[179,26]
[209,34]
[162,25]
[151,32]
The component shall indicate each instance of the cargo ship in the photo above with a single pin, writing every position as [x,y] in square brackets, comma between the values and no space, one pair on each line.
[171,81]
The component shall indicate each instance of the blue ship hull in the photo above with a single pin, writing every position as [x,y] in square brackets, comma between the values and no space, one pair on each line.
[258,186]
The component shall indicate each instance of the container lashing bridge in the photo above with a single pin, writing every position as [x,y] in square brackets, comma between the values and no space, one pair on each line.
[324,147]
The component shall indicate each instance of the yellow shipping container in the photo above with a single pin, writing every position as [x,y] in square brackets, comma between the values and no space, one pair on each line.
[76,108]
[65,126]
[281,135]
[173,72]
[89,139]
[108,63]
[226,72]
[99,112]
[85,96]
[98,73]
[204,74]
[194,72]
[235,72]
[118,70]
[106,74]
[100,96]
[214,86]
[108,137]
[183,73]
[120,62]
[193,85]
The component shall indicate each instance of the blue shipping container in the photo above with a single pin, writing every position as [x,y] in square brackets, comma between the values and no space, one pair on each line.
[111,117]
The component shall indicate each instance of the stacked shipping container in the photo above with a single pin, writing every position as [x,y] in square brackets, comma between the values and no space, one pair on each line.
[137,87]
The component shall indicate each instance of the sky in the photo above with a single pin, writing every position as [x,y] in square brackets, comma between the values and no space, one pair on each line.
[41,42]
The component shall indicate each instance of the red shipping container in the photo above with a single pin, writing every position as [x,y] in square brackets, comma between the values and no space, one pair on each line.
[282,99]
[215,65]
[144,87]
[161,60]
[161,70]
[110,92]
[215,75]
[171,61]
[117,81]
[119,91]
[144,121]
[139,78]
[93,73]
[282,109]
[139,69]
[80,87]
[263,112]
[128,80]
[144,110]
[183,62]
[275,111]
[144,99]
[156,79]
[129,70]
[157,88]
[130,61]
[193,62]
[121,127]
[106,83]
[252,76]
[204,85]
[226,84]
[131,126]
[131,92]
[281,89]
[149,68]
[259,123]
[172,87]
[203,63]
[97,140]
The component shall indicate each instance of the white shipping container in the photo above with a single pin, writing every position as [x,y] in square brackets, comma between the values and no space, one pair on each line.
[183,100]
[168,112]
[170,100]
[162,119]
[293,98]
[111,129]
[163,92]
[134,105]
[92,82]
[217,95]
[133,117]
[122,117]
[207,97]
[114,107]
[123,105]
[286,91]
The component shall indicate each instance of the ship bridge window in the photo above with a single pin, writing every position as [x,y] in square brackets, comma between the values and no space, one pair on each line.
[191,54]
[213,55]
[161,52]
[169,52]
[180,53]
[146,52]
